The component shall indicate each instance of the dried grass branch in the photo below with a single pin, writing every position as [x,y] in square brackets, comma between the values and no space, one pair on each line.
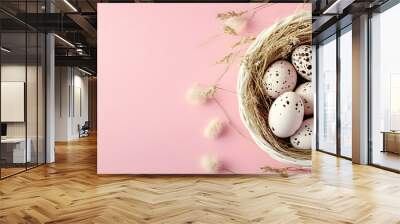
[243,41]
[230,14]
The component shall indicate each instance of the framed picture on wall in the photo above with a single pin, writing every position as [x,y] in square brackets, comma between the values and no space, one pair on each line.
[12,101]
[175,84]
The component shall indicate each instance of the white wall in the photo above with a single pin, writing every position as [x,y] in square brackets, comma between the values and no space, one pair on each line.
[33,127]
[83,83]
[15,72]
[71,102]
[62,82]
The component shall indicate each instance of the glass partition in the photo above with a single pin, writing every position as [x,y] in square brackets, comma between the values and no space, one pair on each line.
[346,92]
[14,155]
[32,96]
[327,95]
[22,77]
[385,89]
[41,88]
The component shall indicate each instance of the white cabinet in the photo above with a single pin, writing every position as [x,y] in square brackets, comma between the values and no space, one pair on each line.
[17,145]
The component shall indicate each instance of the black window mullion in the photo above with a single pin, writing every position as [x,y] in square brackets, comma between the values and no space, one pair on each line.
[316,98]
[37,89]
[338,74]
[369,125]
[26,87]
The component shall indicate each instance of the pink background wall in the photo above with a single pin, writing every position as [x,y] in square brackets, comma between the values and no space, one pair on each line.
[148,56]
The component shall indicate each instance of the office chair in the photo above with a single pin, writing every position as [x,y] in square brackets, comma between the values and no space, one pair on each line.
[84,130]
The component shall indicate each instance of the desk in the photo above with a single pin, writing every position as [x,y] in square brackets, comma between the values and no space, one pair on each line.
[391,141]
[15,148]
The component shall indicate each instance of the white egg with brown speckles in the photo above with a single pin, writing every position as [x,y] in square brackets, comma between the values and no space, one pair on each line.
[305,91]
[302,60]
[302,139]
[279,78]
[286,115]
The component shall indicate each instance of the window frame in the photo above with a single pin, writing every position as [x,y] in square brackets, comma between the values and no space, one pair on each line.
[339,32]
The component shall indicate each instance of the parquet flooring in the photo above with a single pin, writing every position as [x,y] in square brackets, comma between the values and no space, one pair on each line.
[10,171]
[70,191]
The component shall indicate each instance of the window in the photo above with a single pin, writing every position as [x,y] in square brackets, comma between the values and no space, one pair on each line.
[327,95]
[22,77]
[385,89]
[345,100]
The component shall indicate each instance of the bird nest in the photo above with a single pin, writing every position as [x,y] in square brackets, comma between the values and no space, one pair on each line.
[274,43]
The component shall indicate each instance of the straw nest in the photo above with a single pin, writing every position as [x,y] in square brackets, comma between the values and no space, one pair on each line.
[274,43]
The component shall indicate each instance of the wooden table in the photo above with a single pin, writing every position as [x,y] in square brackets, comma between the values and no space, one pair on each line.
[14,152]
[391,141]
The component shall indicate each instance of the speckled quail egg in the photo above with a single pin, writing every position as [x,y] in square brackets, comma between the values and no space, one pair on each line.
[302,60]
[286,114]
[305,91]
[279,78]
[302,139]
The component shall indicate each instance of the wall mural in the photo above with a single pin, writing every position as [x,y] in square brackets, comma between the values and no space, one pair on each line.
[204,88]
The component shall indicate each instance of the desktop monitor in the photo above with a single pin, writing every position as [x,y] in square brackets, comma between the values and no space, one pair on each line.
[3,130]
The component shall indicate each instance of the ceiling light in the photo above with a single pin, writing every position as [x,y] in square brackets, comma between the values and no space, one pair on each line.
[70,5]
[64,40]
[337,7]
[5,50]
[331,8]
[79,51]
[84,71]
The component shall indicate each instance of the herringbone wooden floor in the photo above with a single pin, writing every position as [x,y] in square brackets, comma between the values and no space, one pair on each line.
[69,191]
